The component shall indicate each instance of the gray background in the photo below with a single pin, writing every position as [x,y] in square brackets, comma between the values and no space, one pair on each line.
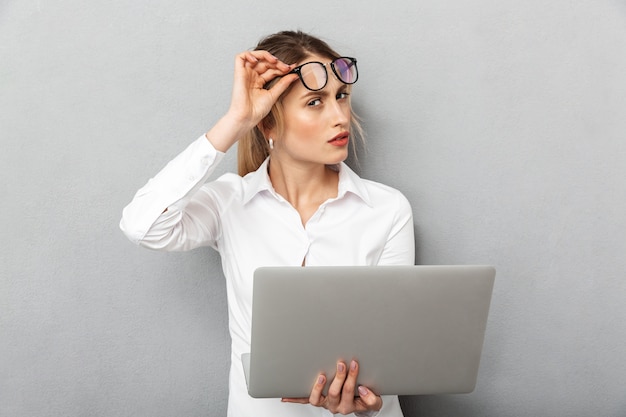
[504,123]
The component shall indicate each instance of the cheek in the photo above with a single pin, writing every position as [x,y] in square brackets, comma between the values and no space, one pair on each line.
[348,112]
[302,123]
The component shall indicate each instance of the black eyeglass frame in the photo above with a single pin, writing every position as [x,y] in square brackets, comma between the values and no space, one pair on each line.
[298,69]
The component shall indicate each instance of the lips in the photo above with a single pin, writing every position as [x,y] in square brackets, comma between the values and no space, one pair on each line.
[340,140]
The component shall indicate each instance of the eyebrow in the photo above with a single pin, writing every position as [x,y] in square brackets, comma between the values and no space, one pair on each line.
[315,93]
[324,92]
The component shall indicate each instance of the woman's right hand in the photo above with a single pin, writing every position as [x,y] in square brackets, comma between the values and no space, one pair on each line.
[250,102]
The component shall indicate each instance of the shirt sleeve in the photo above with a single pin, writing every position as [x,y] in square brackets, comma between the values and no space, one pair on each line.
[399,248]
[170,212]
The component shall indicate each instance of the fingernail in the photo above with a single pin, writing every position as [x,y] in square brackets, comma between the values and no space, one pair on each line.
[341,367]
[353,365]
[320,379]
[362,390]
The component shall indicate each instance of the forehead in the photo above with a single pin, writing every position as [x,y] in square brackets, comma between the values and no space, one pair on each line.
[315,58]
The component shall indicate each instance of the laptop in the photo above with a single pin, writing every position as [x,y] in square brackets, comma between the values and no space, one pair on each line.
[413,329]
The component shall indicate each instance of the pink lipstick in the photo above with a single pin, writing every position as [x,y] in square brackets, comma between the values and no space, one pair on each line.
[340,140]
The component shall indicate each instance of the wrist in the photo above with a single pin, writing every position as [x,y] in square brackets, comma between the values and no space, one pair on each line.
[241,122]
[227,131]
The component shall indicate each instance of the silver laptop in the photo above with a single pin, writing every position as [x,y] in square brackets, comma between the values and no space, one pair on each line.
[413,329]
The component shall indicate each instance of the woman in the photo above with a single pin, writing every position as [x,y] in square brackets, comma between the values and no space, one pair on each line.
[295,203]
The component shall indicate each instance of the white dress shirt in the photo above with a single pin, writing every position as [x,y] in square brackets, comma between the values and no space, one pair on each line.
[251,225]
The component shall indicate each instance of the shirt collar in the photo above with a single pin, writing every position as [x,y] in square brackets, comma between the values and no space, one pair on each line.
[349,182]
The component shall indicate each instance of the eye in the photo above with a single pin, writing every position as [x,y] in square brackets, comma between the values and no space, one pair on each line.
[315,102]
[342,95]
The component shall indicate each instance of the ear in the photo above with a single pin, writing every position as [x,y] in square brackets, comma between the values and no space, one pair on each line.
[263,129]
[267,127]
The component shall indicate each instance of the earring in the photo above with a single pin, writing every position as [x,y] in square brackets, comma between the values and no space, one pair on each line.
[271,142]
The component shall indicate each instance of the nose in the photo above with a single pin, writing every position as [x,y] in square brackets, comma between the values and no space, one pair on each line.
[340,113]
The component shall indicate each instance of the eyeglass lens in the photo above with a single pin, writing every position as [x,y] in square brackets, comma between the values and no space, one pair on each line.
[315,76]
[345,68]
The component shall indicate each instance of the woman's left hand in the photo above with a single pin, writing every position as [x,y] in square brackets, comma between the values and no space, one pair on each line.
[341,393]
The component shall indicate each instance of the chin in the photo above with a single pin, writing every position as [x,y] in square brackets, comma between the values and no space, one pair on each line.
[337,159]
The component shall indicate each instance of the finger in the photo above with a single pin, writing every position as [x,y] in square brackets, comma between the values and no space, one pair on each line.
[317,398]
[262,74]
[261,67]
[282,84]
[263,60]
[368,400]
[295,400]
[250,61]
[245,58]
[261,54]
[274,62]
[269,74]
[349,386]
[334,391]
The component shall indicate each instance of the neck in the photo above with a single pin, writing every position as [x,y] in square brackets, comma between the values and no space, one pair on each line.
[305,187]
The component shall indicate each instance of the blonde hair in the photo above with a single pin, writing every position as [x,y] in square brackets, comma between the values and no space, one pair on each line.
[290,47]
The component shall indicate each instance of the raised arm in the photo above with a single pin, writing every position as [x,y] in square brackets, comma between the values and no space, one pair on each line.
[171,212]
